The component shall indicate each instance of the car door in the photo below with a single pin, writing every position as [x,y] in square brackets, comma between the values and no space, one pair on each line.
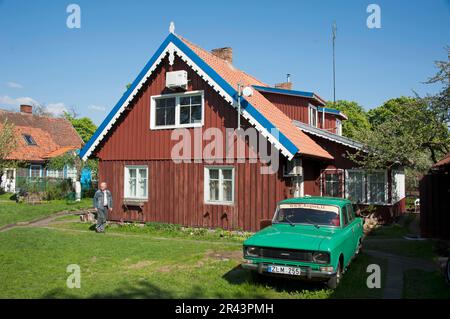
[348,238]
[354,225]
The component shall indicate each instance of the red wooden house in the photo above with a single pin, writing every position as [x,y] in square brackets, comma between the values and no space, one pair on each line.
[135,142]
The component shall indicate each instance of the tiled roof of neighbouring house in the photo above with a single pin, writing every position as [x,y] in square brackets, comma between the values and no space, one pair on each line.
[224,78]
[444,161]
[51,136]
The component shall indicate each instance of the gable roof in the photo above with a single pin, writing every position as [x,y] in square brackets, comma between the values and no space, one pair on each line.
[333,111]
[223,77]
[50,134]
[309,95]
[328,135]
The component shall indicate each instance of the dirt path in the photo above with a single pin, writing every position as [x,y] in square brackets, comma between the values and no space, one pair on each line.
[40,222]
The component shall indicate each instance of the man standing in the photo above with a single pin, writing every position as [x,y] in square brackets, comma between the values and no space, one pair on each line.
[102,204]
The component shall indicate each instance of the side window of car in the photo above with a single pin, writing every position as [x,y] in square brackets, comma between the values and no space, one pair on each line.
[344,216]
[350,213]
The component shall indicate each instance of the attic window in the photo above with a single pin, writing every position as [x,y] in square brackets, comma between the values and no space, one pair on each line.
[312,115]
[29,139]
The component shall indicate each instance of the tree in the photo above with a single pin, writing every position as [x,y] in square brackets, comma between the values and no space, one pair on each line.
[8,142]
[412,136]
[389,109]
[357,122]
[84,126]
[409,131]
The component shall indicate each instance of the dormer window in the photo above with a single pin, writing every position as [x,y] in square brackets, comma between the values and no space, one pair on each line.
[29,139]
[312,115]
[338,127]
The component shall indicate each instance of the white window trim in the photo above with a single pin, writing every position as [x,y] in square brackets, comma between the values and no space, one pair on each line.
[394,187]
[177,124]
[339,127]
[369,200]
[35,165]
[206,186]
[363,172]
[314,108]
[322,182]
[126,181]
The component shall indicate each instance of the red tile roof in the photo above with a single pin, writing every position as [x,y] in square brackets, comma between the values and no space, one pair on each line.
[444,161]
[53,136]
[233,76]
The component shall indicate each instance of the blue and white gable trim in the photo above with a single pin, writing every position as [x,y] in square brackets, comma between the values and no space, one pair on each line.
[172,45]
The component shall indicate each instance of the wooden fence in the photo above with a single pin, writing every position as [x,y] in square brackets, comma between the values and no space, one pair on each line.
[435,205]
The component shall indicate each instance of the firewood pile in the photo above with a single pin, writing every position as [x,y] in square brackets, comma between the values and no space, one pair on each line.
[88,216]
[370,222]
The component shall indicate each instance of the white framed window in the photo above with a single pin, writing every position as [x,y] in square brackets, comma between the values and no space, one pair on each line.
[179,110]
[35,171]
[219,185]
[136,182]
[355,185]
[332,182]
[377,187]
[55,173]
[338,127]
[312,115]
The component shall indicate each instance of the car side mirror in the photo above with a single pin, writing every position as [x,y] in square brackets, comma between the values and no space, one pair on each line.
[263,223]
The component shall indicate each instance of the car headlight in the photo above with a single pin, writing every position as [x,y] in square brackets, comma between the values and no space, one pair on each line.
[321,257]
[251,251]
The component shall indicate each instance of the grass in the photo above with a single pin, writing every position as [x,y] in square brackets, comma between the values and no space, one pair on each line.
[161,230]
[12,212]
[128,265]
[419,284]
[407,248]
[395,230]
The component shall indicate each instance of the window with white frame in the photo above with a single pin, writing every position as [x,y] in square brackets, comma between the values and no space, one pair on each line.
[338,127]
[35,171]
[219,185]
[376,187]
[177,110]
[355,185]
[332,182]
[136,182]
[312,115]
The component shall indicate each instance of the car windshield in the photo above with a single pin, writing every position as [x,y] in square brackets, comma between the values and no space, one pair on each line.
[313,214]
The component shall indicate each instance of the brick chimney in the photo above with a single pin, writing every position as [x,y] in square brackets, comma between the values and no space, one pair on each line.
[285,85]
[224,53]
[26,109]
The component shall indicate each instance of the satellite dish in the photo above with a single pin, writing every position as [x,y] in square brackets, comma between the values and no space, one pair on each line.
[247,91]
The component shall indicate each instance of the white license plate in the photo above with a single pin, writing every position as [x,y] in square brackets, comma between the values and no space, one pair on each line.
[295,271]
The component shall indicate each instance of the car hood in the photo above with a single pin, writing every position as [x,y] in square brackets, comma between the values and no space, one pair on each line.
[305,237]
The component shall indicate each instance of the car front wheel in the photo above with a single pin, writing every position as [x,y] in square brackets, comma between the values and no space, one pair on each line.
[333,282]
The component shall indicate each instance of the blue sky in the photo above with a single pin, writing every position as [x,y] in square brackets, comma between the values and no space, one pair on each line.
[87,68]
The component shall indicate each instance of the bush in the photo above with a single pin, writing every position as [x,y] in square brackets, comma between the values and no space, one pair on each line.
[163,226]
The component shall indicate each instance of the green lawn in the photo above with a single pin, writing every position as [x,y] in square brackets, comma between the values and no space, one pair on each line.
[419,284]
[12,212]
[133,265]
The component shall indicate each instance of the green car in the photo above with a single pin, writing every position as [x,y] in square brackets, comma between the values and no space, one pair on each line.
[312,238]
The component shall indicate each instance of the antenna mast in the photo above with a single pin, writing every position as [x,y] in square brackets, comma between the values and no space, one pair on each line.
[334,63]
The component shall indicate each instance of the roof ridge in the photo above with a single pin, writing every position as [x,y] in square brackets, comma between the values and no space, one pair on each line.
[230,65]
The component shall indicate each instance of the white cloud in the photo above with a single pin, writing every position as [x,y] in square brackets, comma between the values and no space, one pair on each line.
[17,101]
[97,108]
[56,108]
[14,85]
